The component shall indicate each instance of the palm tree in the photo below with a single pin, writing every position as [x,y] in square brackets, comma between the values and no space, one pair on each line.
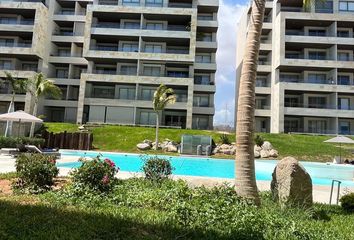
[42,87]
[246,185]
[17,86]
[162,96]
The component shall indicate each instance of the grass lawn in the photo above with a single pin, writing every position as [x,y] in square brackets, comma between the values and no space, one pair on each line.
[138,209]
[124,139]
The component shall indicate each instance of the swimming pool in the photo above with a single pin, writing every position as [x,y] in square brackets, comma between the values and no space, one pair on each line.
[321,173]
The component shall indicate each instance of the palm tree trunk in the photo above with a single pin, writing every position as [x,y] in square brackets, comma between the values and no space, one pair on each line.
[34,114]
[8,129]
[157,131]
[246,185]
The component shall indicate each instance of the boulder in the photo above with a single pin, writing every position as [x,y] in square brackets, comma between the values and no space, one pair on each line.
[264,153]
[257,148]
[147,141]
[273,153]
[291,184]
[171,148]
[143,146]
[267,146]
[225,146]
[257,154]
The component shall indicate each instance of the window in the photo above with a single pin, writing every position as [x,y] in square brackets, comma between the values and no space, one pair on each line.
[5,64]
[200,122]
[153,48]
[261,103]
[317,126]
[128,70]
[177,74]
[324,6]
[317,55]
[152,71]
[344,127]
[147,118]
[131,2]
[346,6]
[181,96]
[8,20]
[291,125]
[202,79]
[204,37]
[293,55]
[317,102]
[29,67]
[201,101]
[64,52]
[131,25]
[106,70]
[289,78]
[203,58]
[317,32]
[261,82]
[154,3]
[62,73]
[127,93]
[292,101]
[5,42]
[317,78]
[343,56]
[343,80]
[205,17]
[130,47]
[147,94]
[344,103]
[103,91]
[343,33]
[154,26]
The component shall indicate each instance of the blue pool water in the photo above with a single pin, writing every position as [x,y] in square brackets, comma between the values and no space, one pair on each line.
[321,173]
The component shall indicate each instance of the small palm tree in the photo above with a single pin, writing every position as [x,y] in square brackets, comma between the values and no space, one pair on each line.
[42,87]
[17,86]
[162,96]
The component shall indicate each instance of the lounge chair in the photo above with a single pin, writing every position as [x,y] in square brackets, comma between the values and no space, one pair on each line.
[34,149]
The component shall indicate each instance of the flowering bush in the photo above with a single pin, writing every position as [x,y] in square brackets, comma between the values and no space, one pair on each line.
[96,174]
[36,173]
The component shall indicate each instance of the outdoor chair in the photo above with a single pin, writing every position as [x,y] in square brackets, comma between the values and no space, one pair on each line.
[34,149]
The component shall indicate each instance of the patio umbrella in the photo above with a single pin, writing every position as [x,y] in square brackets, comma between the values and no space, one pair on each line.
[341,140]
[19,116]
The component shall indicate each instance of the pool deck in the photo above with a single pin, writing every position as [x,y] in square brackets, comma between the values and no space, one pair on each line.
[321,193]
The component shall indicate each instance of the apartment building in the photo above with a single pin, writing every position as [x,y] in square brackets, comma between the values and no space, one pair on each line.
[109,56]
[305,76]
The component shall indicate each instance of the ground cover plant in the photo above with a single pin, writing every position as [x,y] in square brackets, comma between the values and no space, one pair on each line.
[140,209]
[124,139]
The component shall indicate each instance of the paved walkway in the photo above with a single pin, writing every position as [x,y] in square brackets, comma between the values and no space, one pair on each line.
[321,193]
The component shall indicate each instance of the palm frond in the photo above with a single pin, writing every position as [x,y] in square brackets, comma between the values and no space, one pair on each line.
[163,96]
[42,87]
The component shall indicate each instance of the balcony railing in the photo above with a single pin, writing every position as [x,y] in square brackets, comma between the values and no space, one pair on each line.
[20,45]
[67,33]
[171,4]
[331,82]
[17,22]
[317,106]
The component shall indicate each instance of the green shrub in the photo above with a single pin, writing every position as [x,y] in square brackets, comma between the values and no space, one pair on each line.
[35,172]
[12,142]
[96,174]
[157,169]
[347,202]
[258,140]
[224,139]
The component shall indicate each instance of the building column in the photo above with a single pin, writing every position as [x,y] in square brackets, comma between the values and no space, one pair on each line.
[189,117]
[277,109]
[80,104]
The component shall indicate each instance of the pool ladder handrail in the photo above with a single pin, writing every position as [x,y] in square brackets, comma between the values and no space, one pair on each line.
[338,190]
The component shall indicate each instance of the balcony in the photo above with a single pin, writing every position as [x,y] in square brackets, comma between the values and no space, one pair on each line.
[16,48]
[308,81]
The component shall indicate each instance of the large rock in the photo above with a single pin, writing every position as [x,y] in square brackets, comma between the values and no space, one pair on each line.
[143,146]
[291,184]
[264,153]
[147,141]
[171,148]
[267,146]
[257,154]
[273,153]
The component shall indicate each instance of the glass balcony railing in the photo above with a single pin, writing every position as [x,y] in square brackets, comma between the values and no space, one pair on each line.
[324,81]
[19,45]
[147,4]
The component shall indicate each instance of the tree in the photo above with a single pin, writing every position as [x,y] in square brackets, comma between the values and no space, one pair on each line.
[17,86]
[246,185]
[162,96]
[41,87]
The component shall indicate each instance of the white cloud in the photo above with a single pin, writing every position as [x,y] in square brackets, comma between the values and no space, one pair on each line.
[228,17]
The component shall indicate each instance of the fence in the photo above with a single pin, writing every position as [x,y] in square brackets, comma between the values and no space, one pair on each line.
[65,140]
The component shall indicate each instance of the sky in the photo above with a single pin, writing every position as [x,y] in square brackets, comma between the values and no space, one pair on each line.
[229,14]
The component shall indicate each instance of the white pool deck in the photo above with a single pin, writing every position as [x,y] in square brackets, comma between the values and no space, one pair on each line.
[321,194]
